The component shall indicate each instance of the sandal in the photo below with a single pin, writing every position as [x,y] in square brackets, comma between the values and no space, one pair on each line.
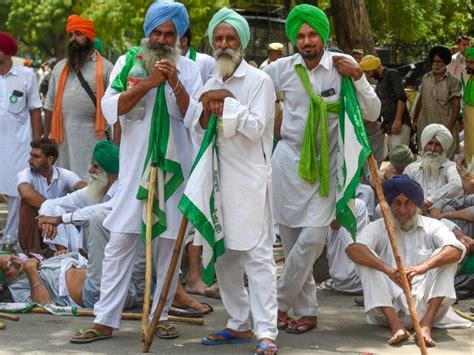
[97,335]
[262,347]
[283,319]
[302,325]
[227,339]
[165,330]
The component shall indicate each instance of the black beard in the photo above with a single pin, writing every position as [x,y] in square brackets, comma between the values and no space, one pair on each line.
[470,71]
[79,54]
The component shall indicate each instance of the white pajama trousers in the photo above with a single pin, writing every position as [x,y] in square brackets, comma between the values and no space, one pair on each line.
[380,291]
[117,267]
[13,220]
[259,265]
[296,287]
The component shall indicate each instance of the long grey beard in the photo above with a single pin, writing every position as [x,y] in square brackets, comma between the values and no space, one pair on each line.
[96,187]
[153,52]
[227,61]
[404,226]
[431,162]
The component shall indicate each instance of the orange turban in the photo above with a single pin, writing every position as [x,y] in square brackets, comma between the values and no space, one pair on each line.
[83,25]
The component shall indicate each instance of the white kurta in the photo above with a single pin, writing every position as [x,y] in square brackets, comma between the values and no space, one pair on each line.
[206,65]
[426,238]
[296,202]
[447,186]
[15,125]
[126,216]
[245,148]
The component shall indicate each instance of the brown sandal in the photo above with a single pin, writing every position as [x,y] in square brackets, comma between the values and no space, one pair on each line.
[283,319]
[301,325]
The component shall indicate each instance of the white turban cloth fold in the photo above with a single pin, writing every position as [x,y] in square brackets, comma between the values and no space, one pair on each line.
[438,131]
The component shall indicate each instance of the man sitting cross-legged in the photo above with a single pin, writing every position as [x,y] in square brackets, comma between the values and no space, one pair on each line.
[430,253]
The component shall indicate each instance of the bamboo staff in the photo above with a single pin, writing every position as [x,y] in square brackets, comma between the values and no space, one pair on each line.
[9,316]
[148,250]
[396,253]
[2,326]
[126,316]
[166,286]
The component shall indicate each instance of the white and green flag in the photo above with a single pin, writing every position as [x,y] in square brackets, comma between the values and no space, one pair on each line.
[201,202]
[353,151]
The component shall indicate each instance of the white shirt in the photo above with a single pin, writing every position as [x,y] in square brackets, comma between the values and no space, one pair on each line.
[244,150]
[15,124]
[62,182]
[126,215]
[296,202]
[77,205]
[457,67]
[447,186]
[415,246]
[206,65]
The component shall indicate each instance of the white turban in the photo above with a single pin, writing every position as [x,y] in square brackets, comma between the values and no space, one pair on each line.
[438,131]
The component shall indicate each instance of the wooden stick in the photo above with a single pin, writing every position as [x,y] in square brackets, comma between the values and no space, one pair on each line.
[166,286]
[148,251]
[9,316]
[127,316]
[396,253]
[2,326]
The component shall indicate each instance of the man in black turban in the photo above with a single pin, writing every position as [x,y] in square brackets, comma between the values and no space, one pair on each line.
[442,52]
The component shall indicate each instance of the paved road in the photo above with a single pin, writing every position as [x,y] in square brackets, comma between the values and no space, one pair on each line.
[342,329]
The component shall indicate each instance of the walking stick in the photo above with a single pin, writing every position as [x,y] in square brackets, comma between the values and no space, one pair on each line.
[166,286]
[148,251]
[396,253]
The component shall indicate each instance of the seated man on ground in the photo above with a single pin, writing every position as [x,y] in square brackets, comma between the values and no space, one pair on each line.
[59,217]
[400,156]
[41,181]
[436,174]
[430,254]
[342,270]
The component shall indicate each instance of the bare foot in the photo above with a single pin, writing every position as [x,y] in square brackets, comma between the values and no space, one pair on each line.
[398,336]
[266,346]
[213,291]
[246,334]
[195,287]
[426,333]
[103,329]
[182,299]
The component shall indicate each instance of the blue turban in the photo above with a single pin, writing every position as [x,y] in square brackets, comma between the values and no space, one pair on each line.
[402,184]
[164,10]
[231,17]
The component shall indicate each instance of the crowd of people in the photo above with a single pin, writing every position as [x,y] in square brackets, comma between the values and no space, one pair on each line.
[76,182]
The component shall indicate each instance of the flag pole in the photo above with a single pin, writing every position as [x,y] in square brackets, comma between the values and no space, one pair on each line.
[148,251]
[396,252]
[166,286]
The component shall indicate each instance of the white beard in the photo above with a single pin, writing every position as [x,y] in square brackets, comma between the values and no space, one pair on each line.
[431,162]
[227,61]
[152,53]
[404,226]
[96,187]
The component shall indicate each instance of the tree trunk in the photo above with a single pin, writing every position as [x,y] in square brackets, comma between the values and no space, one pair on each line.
[352,27]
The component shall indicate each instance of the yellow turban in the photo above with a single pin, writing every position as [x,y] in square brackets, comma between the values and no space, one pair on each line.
[370,62]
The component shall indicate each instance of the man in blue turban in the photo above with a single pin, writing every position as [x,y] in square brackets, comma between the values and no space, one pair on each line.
[305,161]
[163,102]
[430,253]
[242,99]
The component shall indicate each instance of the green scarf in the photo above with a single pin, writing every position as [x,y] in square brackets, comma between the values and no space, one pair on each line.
[468,95]
[192,53]
[308,168]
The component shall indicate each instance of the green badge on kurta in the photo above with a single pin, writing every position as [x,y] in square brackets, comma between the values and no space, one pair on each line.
[15,95]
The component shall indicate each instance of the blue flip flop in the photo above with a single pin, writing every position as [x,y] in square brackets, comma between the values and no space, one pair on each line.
[228,339]
[264,346]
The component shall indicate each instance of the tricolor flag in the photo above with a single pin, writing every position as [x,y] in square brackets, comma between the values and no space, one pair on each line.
[201,202]
[353,151]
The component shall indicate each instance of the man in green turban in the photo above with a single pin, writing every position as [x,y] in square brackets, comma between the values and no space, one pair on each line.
[305,160]
[59,217]
[238,103]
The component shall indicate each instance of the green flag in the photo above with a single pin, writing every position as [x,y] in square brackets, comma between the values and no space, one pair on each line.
[161,152]
[201,202]
[353,151]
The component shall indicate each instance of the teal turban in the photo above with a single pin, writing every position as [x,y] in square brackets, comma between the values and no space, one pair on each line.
[106,154]
[231,17]
[313,16]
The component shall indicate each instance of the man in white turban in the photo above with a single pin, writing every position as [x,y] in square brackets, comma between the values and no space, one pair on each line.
[436,174]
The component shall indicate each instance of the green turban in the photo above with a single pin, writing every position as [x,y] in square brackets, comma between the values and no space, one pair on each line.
[106,154]
[231,17]
[470,53]
[313,16]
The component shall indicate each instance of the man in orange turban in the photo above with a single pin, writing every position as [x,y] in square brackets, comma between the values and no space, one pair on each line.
[72,104]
